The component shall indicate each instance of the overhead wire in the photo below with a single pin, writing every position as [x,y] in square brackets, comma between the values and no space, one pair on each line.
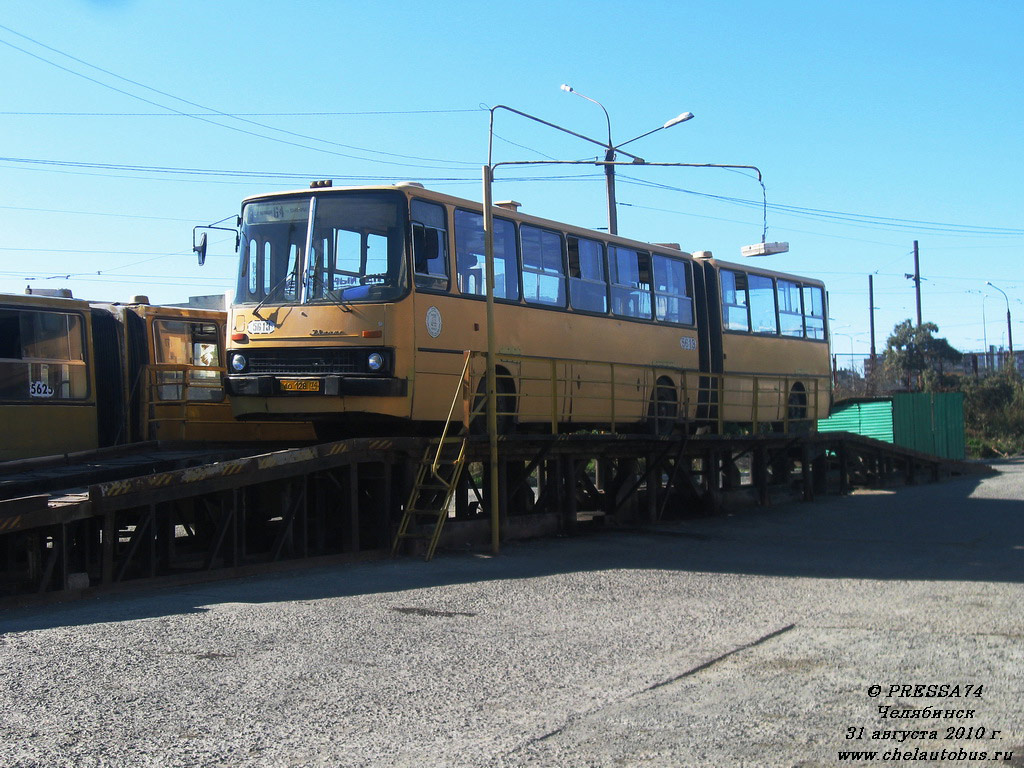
[364,113]
[204,118]
[853,219]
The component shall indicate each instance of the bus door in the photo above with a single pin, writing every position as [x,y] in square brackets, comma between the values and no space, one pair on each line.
[438,329]
[186,397]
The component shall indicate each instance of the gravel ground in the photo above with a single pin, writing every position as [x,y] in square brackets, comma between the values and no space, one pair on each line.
[750,639]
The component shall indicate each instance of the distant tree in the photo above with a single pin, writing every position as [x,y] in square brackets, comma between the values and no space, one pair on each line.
[916,356]
[994,414]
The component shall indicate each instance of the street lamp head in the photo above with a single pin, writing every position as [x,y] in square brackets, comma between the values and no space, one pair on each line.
[990,283]
[676,120]
[566,88]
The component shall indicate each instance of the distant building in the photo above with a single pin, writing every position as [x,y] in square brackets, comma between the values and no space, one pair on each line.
[214,301]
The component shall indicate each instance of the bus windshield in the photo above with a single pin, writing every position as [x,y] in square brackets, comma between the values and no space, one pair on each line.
[355,249]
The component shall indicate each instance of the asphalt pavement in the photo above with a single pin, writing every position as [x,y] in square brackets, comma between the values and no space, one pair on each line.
[782,636]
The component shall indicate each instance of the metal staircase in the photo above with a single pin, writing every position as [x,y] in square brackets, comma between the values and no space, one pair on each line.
[437,478]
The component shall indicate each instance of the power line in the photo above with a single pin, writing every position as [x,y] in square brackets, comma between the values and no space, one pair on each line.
[205,119]
[35,163]
[144,281]
[844,217]
[98,213]
[171,170]
[367,113]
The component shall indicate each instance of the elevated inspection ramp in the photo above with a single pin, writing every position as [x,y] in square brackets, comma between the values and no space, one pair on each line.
[173,512]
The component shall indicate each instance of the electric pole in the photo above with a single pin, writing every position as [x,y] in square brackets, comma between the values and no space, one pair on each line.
[917,282]
[871,310]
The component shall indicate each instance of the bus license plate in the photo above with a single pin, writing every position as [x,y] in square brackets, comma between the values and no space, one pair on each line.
[300,385]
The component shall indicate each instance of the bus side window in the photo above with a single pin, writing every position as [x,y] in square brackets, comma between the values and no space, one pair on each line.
[13,373]
[762,304]
[814,312]
[506,260]
[630,277]
[10,335]
[588,289]
[41,356]
[429,245]
[672,290]
[543,266]
[734,300]
[791,315]
[470,262]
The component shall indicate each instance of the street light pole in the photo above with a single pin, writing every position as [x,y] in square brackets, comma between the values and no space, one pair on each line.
[610,152]
[1009,328]
[492,348]
[984,324]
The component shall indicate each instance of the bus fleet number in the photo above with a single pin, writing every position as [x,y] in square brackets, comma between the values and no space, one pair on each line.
[40,389]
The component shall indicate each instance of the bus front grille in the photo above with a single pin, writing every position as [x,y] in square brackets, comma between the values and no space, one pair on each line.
[308,362]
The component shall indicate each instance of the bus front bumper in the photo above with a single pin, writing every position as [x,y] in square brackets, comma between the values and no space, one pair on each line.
[329,386]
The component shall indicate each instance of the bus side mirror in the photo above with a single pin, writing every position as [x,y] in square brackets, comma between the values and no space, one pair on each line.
[200,248]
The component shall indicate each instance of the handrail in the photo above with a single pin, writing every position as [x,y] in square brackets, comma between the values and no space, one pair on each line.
[184,383]
[459,390]
[754,399]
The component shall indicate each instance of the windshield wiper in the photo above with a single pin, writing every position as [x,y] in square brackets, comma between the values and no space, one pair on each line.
[331,295]
[265,299]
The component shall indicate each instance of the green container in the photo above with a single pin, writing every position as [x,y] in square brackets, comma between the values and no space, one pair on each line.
[931,423]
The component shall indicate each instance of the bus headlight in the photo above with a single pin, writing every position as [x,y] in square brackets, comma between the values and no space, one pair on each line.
[238,362]
[375,361]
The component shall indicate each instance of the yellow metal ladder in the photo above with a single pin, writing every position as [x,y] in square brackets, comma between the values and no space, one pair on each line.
[436,481]
[437,477]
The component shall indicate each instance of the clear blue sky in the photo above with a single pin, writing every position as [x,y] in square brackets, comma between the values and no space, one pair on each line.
[883,122]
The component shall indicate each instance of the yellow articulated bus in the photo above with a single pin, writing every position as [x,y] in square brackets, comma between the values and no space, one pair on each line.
[76,376]
[355,308]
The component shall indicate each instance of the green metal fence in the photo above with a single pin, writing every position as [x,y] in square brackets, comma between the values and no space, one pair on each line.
[929,422]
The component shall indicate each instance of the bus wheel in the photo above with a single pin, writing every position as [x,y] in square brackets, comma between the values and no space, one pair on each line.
[664,408]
